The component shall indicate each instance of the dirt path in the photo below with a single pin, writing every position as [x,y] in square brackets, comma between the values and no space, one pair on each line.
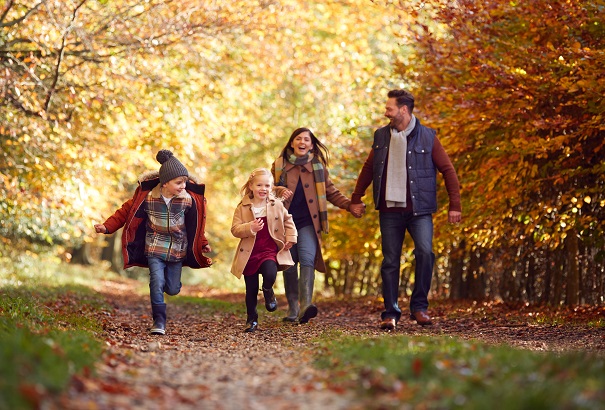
[206,361]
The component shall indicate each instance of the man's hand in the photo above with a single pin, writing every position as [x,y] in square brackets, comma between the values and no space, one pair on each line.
[454,217]
[357,210]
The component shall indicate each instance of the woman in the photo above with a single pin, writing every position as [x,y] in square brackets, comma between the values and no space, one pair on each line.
[302,170]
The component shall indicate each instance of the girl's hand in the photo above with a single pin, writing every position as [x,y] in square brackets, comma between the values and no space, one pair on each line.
[206,249]
[288,245]
[100,228]
[257,225]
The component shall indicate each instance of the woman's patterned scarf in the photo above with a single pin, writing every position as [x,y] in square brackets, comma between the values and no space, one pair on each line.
[318,176]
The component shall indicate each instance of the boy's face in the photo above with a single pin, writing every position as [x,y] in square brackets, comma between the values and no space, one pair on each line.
[174,187]
[261,186]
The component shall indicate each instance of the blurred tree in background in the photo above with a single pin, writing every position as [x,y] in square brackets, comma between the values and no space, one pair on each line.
[90,90]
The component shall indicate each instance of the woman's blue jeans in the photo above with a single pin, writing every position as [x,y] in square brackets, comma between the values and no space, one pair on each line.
[163,277]
[305,249]
[393,226]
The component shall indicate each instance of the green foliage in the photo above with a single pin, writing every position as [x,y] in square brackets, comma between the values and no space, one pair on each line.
[41,350]
[210,306]
[441,372]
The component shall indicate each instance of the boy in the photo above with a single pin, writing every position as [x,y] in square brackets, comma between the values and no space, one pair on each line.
[164,225]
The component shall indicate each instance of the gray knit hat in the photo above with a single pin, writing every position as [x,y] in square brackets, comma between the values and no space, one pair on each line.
[171,167]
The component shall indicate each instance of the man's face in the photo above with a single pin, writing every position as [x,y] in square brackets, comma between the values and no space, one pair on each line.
[397,115]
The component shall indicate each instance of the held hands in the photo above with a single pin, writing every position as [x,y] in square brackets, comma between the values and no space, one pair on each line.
[206,249]
[100,228]
[357,210]
[288,245]
[257,225]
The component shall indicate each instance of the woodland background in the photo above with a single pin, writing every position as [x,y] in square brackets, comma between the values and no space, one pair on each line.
[90,90]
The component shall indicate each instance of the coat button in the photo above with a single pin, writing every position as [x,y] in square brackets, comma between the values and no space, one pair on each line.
[306,185]
[241,249]
[310,201]
[315,216]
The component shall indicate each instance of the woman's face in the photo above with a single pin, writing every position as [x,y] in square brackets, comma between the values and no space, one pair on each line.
[302,144]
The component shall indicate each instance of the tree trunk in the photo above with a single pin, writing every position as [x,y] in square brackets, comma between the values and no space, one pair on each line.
[573,271]
[113,252]
[81,255]
[457,272]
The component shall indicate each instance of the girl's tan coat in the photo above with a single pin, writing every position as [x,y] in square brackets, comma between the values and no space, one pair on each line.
[281,227]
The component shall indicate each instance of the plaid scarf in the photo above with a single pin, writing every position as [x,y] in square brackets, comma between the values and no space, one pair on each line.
[318,175]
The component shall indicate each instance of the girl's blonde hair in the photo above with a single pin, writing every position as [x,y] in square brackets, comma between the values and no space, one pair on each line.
[245,190]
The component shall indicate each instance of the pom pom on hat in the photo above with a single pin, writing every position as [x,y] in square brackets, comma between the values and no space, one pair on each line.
[171,167]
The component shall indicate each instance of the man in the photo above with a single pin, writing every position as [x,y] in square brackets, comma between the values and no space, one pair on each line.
[402,169]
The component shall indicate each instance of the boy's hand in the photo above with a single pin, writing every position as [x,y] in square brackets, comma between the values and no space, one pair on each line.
[206,249]
[100,228]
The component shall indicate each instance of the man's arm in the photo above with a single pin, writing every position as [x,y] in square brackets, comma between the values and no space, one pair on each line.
[364,179]
[452,185]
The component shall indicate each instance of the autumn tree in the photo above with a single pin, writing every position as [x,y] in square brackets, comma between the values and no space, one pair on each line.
[516,92]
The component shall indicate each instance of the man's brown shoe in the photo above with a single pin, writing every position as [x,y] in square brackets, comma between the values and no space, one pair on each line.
[388,323]
[421,317]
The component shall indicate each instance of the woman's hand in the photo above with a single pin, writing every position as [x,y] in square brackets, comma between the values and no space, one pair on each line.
[286,194]
[288,245]
[206,249]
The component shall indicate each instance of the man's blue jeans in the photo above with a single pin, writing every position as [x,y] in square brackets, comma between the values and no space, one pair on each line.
[163,277]
[393,226]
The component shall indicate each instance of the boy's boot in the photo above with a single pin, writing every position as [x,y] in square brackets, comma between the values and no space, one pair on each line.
[305,291]
[159,319]
[291,288]
[270,300]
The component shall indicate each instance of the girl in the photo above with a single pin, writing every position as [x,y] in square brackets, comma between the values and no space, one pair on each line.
[302,170]
[267,233]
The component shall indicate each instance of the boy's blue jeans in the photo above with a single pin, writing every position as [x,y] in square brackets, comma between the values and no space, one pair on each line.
[163,277]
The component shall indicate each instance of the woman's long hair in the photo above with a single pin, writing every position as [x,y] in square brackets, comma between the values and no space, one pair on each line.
[319,149]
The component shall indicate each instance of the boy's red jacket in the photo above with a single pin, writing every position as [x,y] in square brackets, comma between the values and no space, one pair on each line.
[133,218]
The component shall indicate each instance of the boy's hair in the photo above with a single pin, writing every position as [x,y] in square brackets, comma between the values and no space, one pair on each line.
[245,189]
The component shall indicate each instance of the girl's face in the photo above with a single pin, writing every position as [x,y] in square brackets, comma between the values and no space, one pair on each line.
[174,187]
[261,186]
[302,144]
